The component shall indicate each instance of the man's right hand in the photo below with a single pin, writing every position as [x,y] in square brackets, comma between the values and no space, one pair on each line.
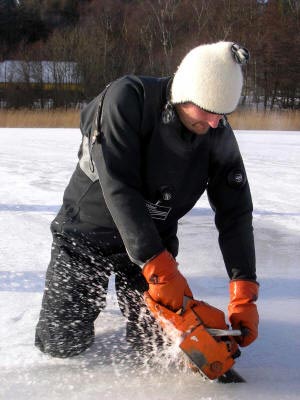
[166,284]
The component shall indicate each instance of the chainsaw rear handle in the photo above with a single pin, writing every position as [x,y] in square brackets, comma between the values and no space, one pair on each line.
[224,332]
[213,331]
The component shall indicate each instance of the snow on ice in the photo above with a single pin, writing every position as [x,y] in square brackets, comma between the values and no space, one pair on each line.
[35,165]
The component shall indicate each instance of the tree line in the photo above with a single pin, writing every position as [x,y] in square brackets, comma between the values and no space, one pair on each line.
[106,39]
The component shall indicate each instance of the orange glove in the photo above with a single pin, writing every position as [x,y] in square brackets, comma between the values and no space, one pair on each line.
[166,284]
[243,313]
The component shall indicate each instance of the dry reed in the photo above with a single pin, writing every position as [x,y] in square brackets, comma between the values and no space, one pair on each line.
[241,119]
[58,118]
[285,120]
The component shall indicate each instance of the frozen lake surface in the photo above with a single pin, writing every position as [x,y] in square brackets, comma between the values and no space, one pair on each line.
[35,166]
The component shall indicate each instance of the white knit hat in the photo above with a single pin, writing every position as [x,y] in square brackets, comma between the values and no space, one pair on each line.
[210,76]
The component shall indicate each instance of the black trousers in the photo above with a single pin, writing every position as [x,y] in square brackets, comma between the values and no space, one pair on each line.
[75,293]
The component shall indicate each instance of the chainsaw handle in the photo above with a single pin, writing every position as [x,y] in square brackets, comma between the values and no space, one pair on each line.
[224,332]
[212,331]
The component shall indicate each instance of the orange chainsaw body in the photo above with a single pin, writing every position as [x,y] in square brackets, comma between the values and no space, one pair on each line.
[213,355]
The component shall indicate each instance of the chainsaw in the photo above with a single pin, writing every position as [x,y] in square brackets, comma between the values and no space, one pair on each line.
[204,337]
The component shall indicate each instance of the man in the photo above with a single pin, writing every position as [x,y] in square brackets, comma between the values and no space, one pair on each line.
[150,148]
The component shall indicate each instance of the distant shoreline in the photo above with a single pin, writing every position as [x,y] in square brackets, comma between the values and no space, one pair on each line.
[242,119]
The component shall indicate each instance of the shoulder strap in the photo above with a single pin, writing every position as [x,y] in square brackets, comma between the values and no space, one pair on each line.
[155,99]
[91,114]
[90,123]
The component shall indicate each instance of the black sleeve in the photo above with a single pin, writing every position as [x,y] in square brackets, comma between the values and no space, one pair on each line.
[117,157]
[229,195]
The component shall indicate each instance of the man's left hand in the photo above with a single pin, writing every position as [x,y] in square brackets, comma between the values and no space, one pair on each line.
[242,310]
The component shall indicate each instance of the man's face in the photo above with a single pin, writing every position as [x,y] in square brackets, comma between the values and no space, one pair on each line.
[195,119]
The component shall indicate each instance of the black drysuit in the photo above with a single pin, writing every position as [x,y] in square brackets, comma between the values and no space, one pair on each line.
[140,170]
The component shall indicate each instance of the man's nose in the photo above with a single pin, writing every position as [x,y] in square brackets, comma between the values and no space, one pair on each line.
[214,120]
